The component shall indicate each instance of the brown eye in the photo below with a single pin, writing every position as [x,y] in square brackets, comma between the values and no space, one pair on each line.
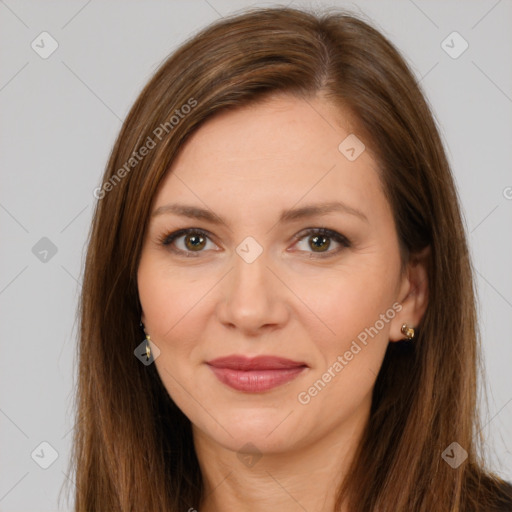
[319,242]
[188,242]
[195,242]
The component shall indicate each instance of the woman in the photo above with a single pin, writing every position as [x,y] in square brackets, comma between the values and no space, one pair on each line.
[278,220]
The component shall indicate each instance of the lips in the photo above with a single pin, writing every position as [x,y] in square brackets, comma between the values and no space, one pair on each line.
[255,363]
[255,374]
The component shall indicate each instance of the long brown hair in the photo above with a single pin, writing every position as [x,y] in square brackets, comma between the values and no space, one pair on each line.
[133,447]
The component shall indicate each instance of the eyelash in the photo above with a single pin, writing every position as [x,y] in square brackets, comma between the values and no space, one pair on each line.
[168,238]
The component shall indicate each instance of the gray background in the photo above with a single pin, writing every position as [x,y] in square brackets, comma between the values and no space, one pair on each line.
[59,119]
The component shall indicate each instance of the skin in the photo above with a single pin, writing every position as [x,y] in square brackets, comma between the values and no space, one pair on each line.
[247,166]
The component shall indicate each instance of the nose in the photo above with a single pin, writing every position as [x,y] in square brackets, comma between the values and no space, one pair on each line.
[252,299]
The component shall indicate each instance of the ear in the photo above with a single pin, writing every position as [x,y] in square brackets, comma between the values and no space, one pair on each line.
[413,294]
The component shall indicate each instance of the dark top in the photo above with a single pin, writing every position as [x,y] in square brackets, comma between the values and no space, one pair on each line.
[504,501]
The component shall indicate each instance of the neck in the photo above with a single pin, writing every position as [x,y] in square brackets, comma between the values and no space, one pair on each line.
[302,478]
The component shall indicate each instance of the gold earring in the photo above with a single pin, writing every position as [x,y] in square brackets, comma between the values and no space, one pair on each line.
[148,339]
[407,331]
[148,347]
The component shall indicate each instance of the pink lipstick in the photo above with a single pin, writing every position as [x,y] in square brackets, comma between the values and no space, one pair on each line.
[257,374]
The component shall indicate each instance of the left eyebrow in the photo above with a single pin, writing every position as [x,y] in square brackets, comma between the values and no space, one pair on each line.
[290,215]
[320,209]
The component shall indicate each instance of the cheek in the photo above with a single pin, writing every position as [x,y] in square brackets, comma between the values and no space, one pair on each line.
[164,297]
[171,302]
[346,303]
[357,309]
[171,305]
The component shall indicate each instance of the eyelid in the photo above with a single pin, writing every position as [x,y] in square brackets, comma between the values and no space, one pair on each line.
[168,238]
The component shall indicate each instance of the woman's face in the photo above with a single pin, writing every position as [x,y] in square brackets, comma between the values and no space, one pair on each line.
[260,283]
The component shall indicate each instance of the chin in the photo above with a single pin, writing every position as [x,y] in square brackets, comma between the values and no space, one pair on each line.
[266,430]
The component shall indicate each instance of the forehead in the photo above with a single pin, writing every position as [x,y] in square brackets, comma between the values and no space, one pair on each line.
[281,152]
